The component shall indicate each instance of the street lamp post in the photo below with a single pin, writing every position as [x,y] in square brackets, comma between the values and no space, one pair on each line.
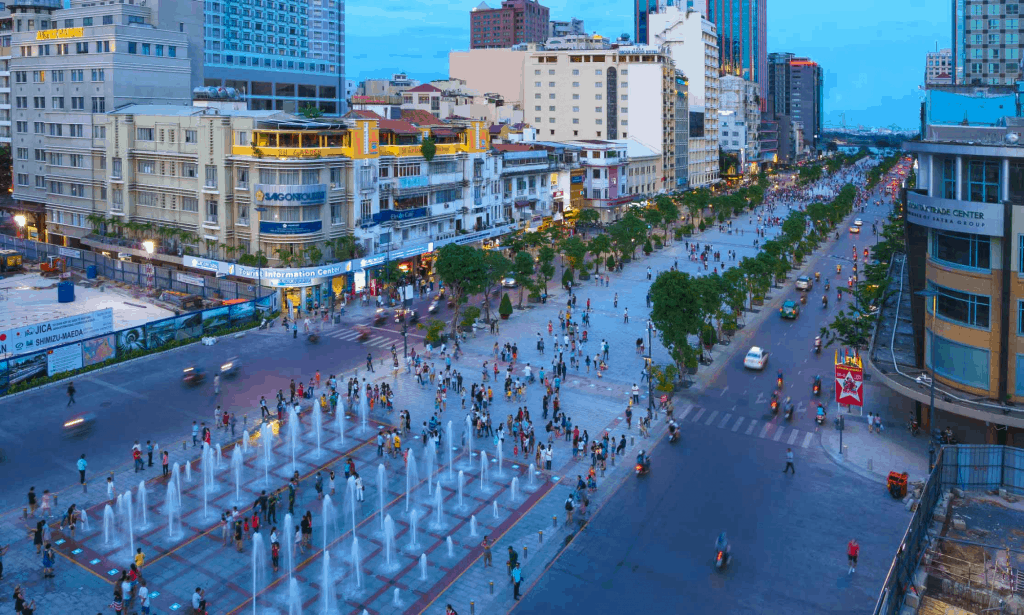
[259,255]
[150,247]
[933,295]
[650,368]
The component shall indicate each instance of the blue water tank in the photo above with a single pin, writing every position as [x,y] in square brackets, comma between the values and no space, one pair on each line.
[65,291]
[90,272]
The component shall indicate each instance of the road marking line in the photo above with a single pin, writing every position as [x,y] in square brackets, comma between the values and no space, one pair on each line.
[114,387]
[723,391]
[764,430]
[683,415]
[750,428]
[725,421]
[711,418]
[807,440]
[739,422]
[697,416]
[778,433]
[792,436]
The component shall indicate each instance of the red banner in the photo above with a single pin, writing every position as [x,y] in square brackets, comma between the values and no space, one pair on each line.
[849,384]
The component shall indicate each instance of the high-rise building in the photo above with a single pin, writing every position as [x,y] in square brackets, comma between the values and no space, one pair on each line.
[986,42]
[742,38]
[284,56]
[565,28]
[74,65]
[514,22]
[607,92]
[938,69]
[641,12]
[740,97]
[693,45]
[5,75]
[795,91]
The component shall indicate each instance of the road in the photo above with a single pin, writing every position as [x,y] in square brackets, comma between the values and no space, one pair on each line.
[651,550]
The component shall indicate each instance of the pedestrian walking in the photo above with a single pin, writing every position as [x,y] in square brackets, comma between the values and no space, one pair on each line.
[71,393]
[789,461]
[32,501]
[163,462]
[82,464]
[49,558]
[143,595]
[625,316]
[852,551]
[149,452]
[195,434]
[517,578]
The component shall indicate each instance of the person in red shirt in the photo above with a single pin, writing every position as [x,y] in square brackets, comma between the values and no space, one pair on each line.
[852,551]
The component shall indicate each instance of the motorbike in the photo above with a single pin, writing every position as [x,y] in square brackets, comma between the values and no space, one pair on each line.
[775,405]
[364,335]
[193,376]
[817,276]
[779,382]
[817,387]
[644,467]
[79,424]
[944,437]
[819,418]
[803,299]
[826,286]
[414,318]
[824,302]
[229,369]
[722,558]
[789,412]
[673,432]
[266,324]
[433,308]
[913,428]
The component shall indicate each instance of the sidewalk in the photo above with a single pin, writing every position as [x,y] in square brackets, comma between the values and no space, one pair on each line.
[874,455]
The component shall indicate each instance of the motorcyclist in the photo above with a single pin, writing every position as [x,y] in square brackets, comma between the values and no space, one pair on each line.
[817,381]
[642,460]
[824,301]
[780,377]
[821,410]
[672,428]
[722,545]
[817,342]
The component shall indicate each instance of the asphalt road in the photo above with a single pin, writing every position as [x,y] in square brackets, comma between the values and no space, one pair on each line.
[651,549]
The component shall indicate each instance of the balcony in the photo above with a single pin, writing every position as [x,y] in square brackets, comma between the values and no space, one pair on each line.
[404,151]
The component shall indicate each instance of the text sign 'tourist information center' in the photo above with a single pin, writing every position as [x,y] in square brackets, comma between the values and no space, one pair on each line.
[56,332]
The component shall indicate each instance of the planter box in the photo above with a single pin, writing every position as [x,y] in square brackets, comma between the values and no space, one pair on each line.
[757,301]
[584,276]
[532,299]
[505,316]
[691,370]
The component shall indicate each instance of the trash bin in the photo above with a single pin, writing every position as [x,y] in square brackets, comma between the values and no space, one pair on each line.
[90,272]
[337,319]
[65,291]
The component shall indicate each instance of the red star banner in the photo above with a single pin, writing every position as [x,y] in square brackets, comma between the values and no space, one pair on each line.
[849,384]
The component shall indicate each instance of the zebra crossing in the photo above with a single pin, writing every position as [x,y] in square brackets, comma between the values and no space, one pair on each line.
[766,430]
[351,335]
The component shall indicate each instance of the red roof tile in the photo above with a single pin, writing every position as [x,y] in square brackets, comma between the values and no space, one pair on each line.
[426,87]
[363,114]
[399,127]
[420,117]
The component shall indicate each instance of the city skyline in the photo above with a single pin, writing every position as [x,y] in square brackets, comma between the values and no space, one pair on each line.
[858,82]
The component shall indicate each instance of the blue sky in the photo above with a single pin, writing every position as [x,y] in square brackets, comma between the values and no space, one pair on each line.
[872,52]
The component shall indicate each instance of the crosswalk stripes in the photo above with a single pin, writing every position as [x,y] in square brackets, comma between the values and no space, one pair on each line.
[776,431]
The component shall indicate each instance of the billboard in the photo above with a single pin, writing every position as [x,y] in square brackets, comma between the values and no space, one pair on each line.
[849,381]
[56,332]
[953,215]
[214,319]
[99,349]
[291,194]
[290,228]
[63,359]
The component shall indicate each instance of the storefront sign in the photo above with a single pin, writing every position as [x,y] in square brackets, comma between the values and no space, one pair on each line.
[407,214]
[953,215]
[418,181]
[195,280]
[303,194]
[69,252]
[49,35]
[56,332]
[290,228]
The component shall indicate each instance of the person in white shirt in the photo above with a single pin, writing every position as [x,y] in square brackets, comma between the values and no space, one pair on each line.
[198,602]
[143,596]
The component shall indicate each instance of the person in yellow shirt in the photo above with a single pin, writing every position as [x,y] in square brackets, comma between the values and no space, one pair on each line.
[398,445]
[140,558]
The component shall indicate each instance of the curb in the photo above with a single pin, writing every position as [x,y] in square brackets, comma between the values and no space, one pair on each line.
[863,473]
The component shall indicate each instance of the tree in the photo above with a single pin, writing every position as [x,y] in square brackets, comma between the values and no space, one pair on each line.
[505,307]
[601,244]
[588,217]
[311,111]
[462,270]
[669,212]
[546,257]
[853,326]
[652,216]
[496,267]
[428,148]
[575,251]
[675,313]
[314,254]
[522,267]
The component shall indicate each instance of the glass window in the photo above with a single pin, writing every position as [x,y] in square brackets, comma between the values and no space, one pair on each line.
[984,181]
[949,178]
[1019,379]
[961,307]
[1016,181]
[961,249]
[964,364]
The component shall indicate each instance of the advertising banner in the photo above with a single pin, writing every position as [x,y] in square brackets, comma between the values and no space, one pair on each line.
[300,194]
[188,326]
[388,215]
[291,228]
[242,311]
[57,332]
[195,280]
[849,384]
[131,339]
[27,367]
[160,332]
[99,349]
[215,318]
[63,359]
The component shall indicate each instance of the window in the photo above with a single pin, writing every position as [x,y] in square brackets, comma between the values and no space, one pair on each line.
[983,181]
[949,178]
[189,169]
[961,249]
[77,190]
[78,75]
[21,102]
[145,49]
[1020,331]
[964,364]
[75,130]
[22,179]
[38,102]
[82,47]
[190,136]
[116,200]
[144,134]
[77,160]
[115,168]
[960,307]
[242,178]
[147,167]
[336,177]
[98,75]
[22,153]
[38,76]
[243,214]
[57,102]
[133,47]
[108,20]
[211,210]
[336,214]
[189,203]
[99,132]
[172,51]
[56,130]
[99,104]
[211,176]
[310,176]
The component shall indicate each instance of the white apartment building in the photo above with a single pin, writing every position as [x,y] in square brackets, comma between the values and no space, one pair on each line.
[644,170]
[606,93]
[69,68]
[741,97]
[938,69]
[692,42]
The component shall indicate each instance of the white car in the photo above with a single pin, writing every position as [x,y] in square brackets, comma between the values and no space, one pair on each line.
[509,282]
[855,229]
[858,222]
[756,358]
[804,283]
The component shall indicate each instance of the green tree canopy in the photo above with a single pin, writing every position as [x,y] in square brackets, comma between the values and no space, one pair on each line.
[463,272]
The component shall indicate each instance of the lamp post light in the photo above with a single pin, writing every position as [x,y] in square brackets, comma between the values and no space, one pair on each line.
[259,254]
[150,247]
[20,220]
[650,367]
[933,295]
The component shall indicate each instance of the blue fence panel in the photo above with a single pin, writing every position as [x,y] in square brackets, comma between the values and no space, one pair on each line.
[1013,470]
